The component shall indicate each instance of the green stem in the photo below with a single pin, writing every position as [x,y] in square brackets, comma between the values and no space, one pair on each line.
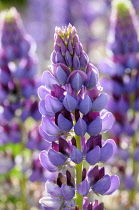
[78,171]
[132,193]
[23,176]
[135,172]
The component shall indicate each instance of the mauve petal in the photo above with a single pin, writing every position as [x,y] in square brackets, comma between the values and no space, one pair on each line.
[77,82]
[95,127]
[83,188]
[51,203]
[99,207]
[76,62]
[49,80]
[59,58]
[67,191]
[45,162]
[83,60]
[86,105]
[100,102]
[102,185]
[80,128]
[42,92]
[106,152]
[115,183]
[35,176]
[61,75]
[53,189]
[76,155]
[70,103]
[42,108]
[52,105]
[46,136]
[93,156]
[92,80]
[56,158]
[136,154]
[111,141]
[68,58]
[129,182]
[64,124]
[107,120]
[49,127]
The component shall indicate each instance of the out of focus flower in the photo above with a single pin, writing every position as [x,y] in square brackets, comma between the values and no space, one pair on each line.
[6,162]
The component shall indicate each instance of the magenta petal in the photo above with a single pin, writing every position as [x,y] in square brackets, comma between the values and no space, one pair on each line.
[115,183]
[81,127]
[93,156]
[102,185]
[67,191]
[95,127]
[49,126]
[83,188]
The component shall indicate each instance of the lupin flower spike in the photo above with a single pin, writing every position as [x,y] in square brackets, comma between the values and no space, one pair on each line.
[72,105]
[123,89]
[123,36]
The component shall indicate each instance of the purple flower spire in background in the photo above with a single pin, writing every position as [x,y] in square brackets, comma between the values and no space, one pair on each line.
[14,41]
[122,69]
[122,85]
[17,69]
[72,105]
[123,35]
[18,96]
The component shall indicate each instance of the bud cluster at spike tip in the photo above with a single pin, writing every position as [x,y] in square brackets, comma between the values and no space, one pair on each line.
[72,104]
[123,37]
[18,85]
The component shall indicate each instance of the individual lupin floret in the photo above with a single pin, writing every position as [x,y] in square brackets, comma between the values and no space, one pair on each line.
[94,150]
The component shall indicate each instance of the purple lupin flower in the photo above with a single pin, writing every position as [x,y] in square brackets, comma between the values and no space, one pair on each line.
[72,105]
[35,141]
[17,68]
[122,83]
[6,162]
[122,86]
